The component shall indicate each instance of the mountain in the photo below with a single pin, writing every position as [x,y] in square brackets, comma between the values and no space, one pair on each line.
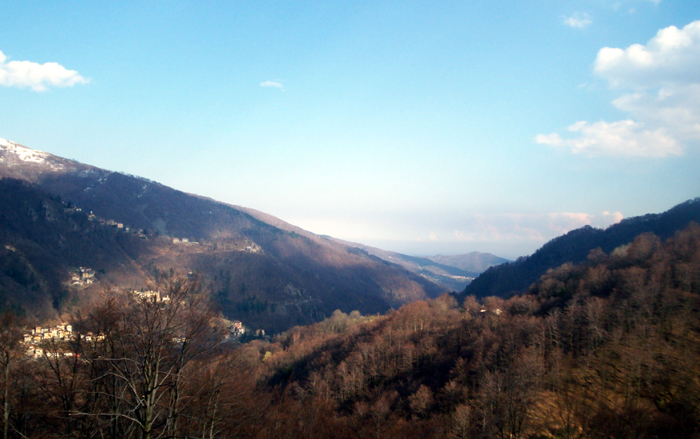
[453,272]
[43,244]
[609,348]
[127,229]
[576,246]
[442,274]
[474,262]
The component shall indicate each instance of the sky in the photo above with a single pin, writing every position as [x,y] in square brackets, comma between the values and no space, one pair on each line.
[422,127]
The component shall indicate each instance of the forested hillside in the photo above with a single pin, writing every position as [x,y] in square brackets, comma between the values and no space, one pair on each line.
[608,348]
[516,277]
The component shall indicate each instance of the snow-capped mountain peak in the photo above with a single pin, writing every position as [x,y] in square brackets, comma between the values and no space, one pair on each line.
[22,152]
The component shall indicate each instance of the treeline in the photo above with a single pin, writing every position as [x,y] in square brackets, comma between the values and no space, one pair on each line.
[516,277]
[605,349]
[139,365]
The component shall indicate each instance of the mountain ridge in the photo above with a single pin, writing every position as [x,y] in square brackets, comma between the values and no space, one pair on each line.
[287,277]
[575,247]
[443,272]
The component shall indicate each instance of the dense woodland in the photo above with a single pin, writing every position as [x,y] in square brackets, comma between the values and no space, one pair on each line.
[515,277]
[609,348]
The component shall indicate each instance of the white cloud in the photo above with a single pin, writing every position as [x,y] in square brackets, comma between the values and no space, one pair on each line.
[578,20]
[38,77]
[671,57]
[675,108]
[274,84]
[611,217]
[623,138]
[663,99]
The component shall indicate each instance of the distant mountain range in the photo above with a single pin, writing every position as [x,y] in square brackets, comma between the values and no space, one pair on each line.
[576,246]
[453,272]
[474,262]
[58,215]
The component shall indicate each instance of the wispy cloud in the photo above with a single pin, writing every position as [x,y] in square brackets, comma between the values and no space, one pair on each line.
[662,83]
[274,84]
[38,77]
[578,20]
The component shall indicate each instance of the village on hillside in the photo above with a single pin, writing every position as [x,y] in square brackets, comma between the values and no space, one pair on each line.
[41,341]
[245,246]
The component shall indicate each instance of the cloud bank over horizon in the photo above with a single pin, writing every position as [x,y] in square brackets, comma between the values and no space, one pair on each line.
[661,86]
[505,234]
[38,77]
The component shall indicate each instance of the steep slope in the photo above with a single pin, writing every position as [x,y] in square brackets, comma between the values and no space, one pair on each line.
[605,349]
[609,347]
[267,276]
[43,245]
[575,247]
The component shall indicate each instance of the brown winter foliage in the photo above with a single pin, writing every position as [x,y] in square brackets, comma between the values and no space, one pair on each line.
[606,349]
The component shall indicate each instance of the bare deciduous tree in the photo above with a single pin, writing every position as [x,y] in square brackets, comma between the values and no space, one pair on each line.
[10,350]
[142,360]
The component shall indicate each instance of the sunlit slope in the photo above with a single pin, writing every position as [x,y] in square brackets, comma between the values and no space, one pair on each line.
[269,276]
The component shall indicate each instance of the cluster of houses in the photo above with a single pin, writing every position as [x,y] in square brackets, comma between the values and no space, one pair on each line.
[236,330]
[184,241]
[84,276]
[153,296]
[61,332]
[217,246]
[109,222]
[232,246]
[37,338]
[113,223]
[119,226]
[41,341]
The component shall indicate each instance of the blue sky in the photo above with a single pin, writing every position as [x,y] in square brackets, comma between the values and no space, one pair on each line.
[429,127]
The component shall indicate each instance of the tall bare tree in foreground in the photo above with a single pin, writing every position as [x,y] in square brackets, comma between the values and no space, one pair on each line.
[141,360]
[10,350]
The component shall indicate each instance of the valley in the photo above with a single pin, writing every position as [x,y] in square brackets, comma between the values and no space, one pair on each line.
[261,270]
[350,220]
[265,330]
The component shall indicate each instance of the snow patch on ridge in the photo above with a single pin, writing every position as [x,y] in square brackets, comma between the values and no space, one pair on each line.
[22,152]
[27,155]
